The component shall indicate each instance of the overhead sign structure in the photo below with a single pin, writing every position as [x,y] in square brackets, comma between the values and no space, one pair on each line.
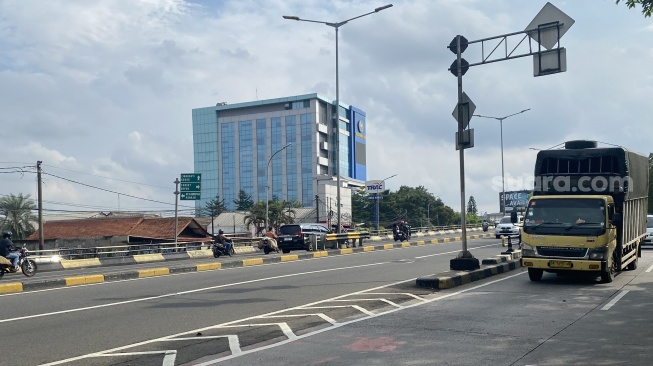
[190,186]
[543,27]
[374,186]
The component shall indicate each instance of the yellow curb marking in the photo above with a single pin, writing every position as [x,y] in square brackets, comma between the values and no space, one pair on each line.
[445,282]
[420,242]
[406,244]
[6,288]
[143,258]
[289,257]
[388,246]
[200,253]
[346,251]
[209,266]
[79,263]
[252,262]
[153,272]
[368,249]
[83,280]
[322,253]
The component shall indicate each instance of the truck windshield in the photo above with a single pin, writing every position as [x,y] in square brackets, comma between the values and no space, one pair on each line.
[565,216]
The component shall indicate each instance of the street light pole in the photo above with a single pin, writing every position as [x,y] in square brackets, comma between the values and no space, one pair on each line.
[376,196]
[503,179]
[267,185]
[336,26]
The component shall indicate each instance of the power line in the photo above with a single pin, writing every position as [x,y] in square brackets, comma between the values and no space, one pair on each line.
[100,176]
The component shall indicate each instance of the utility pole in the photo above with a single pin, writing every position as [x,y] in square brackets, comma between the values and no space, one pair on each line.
[176,205]
[40,203]
[317,208]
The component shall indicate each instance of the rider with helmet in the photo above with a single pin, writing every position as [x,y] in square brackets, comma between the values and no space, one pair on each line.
[7,249]
[221,239]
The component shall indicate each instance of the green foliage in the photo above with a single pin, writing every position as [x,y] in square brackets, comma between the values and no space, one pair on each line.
[213,208]
[647,5]
[279,212]
[471,206]
[244,201]
[415,205]
[18,215]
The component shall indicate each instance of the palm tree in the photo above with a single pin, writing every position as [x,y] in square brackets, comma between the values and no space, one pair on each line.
[18,216]
[256,217]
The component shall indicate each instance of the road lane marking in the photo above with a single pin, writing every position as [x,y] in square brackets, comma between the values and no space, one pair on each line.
[614,301]
[649,269]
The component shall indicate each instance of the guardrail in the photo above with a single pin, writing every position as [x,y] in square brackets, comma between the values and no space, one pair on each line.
[117,251]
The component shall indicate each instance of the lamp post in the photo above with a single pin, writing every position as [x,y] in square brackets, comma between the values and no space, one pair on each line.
[267,186]
[376,203]
[503,183]
[337,111]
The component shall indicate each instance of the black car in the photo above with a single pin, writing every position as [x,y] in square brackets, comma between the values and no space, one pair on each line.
[297,237]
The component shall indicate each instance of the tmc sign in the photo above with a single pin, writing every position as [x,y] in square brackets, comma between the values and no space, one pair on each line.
[374,186]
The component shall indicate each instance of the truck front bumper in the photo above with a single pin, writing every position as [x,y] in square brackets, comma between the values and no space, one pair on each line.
[563,264]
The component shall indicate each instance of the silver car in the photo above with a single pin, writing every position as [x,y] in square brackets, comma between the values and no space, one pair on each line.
[506,228]
[649,230]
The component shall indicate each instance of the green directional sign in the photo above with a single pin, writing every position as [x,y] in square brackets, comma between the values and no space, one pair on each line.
[191,178]
[190,187]
[189,195]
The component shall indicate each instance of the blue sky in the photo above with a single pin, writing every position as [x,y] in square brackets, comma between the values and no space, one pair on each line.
[102,91]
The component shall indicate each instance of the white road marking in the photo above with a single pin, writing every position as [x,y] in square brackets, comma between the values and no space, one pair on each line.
[295,337]
[649,269]
[456,251]
[614,301]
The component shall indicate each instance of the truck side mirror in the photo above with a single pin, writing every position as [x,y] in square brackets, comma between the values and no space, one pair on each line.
[616,218]
[513,217]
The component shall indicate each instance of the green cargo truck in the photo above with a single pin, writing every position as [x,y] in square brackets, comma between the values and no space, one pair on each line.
[588,211]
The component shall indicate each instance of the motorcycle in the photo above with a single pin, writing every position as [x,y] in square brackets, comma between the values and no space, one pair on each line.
[27,266]
[220,249]
[268,245]
[400,236]
[485,226]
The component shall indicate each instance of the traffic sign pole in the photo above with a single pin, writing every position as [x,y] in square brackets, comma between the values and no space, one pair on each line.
[176,206]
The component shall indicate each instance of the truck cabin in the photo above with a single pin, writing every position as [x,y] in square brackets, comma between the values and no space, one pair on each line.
[571,216]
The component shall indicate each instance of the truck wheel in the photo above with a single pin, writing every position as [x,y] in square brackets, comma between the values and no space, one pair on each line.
[633,265]
[608,276]
[535,274]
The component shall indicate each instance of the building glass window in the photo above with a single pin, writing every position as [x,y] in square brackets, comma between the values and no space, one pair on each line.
[291,159]
[276,164]
[261,159]
[246,156]
[306,128]
[228,151]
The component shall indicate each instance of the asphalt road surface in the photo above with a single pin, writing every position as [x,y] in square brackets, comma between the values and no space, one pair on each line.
[358,309]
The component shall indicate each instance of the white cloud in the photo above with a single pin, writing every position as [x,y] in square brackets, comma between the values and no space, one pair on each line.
[107,87]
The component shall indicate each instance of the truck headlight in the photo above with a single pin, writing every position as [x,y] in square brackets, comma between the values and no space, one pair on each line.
[528,251]
[598,253]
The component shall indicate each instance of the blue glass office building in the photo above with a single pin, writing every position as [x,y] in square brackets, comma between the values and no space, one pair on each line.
[233,144]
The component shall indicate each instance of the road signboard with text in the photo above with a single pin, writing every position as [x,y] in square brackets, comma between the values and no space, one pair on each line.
[190,186]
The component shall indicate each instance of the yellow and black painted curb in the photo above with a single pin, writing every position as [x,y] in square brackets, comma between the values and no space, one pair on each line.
[12,287]
[490,267]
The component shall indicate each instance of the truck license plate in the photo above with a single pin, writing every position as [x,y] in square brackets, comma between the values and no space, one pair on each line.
[560,264]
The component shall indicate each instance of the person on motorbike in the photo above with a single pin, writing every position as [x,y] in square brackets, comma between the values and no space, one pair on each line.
[221,239]
[7,249]
[404,228]
[270,233]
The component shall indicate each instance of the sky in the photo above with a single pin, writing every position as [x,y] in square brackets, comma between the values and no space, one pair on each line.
[101,91]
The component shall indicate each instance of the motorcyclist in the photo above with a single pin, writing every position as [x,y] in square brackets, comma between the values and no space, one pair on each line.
[7,249]
[270,233]
[404,228]
[486,225]
[221,239]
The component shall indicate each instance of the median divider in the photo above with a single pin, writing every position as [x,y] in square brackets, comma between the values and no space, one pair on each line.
[489,267]
[231,262]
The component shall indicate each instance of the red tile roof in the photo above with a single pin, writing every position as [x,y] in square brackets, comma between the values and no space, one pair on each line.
[143,227]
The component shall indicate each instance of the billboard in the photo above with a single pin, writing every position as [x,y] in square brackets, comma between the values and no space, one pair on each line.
[374,186]
[515,200]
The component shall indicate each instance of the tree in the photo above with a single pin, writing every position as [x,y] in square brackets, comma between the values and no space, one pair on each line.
[471,206]
[244,201]
[279,212]
[647,5]
[256,217]
[18,215]
[214,208]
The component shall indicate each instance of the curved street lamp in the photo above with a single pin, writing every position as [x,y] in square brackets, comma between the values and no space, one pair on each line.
[337,112]
[376,196]
[503,183]
[267,186]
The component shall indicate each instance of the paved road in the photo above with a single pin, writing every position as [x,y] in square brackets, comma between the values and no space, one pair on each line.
[75,321]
